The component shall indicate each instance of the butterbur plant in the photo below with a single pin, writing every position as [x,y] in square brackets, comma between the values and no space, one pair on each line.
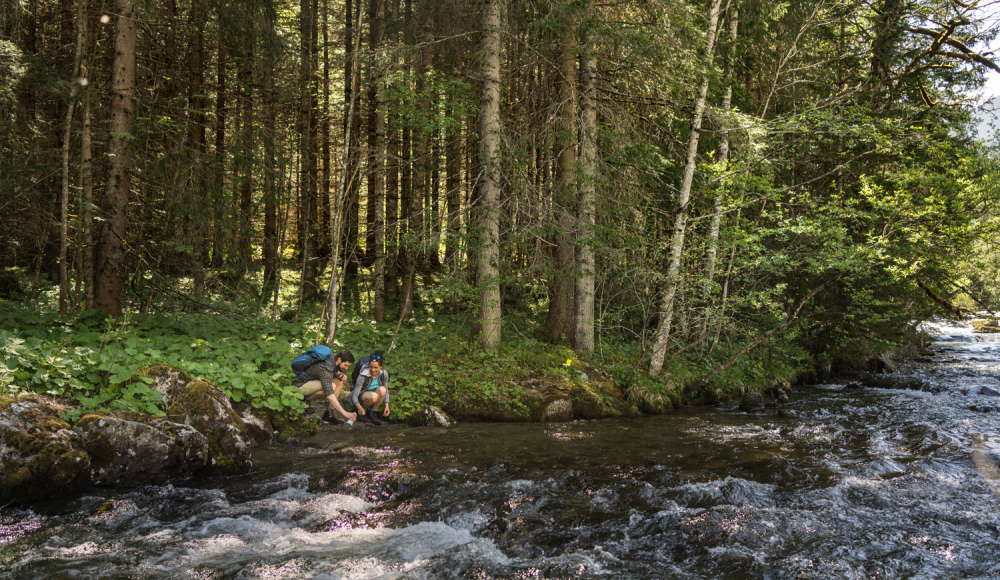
[98,362]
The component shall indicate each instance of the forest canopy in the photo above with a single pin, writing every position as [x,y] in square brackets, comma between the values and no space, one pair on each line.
[676,180]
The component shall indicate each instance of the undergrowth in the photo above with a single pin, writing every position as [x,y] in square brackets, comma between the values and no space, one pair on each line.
[97,361]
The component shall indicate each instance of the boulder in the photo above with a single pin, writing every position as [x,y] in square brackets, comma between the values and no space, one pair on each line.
[752,402]
[549,403]
[431,417]
[133,449]
[290,427]
[167,381]
[258,424]
[40,454]
[205,407]
[880,364]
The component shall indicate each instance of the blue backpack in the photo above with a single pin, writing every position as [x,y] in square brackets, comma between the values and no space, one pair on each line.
[318,353]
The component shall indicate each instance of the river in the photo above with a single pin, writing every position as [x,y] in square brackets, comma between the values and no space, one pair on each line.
[852,483]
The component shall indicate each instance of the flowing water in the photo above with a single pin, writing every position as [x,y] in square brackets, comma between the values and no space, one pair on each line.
[852,483]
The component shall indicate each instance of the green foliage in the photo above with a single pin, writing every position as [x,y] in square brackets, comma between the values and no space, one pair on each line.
[98,361]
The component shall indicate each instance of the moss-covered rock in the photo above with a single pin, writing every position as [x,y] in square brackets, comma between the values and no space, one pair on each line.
[167,381]
[205,407]
[288,426]
[257,423]
[40,454]
[134,449]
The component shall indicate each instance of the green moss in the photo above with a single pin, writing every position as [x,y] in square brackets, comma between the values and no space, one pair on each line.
[288,425]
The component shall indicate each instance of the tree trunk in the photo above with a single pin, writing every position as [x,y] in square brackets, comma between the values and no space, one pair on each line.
[376,159]
[453,184]
[583,340]
[246,75]
[392,181]
[332,306]
[683,197]
[307,205]
[219,187]
[488,251]
[715,226]
[111,251]
[197,195]
[81,33]
[562,286]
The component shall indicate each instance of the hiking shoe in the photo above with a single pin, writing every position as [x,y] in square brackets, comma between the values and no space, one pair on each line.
[374,418]
[309,410]
[362,418]
[331,420]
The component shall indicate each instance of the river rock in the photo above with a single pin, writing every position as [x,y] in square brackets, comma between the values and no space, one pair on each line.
[880,364]
[752,402]
[134,449]
[167,381]
[431,417]
[40,454]
[548,403]
[780,391]
[205,407]
[258,424]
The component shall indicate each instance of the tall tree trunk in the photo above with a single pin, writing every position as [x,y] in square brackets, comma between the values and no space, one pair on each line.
[219,187]
[488,252]
[114,228]
[327,173]
[715,226]
[353,175]
[583,340]
[683,197]
[453,183]
[392,179]
[196,216]
[376,158]
[271,200]
[562,286]
[307,212]
[424,136]
[247,76]
[81,32]
[332,305]
[86,181]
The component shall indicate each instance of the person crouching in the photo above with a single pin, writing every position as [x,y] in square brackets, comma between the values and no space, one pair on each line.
[322,379]
[371,389]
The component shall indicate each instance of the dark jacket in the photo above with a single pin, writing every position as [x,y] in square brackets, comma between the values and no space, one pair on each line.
[364,381]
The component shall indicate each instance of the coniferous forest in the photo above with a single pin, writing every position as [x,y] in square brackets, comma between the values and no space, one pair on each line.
[691,196]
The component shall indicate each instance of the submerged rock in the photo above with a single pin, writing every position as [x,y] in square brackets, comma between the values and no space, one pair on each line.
[205,407]
[134,449]
[431,417]
[752,402]
[40,454]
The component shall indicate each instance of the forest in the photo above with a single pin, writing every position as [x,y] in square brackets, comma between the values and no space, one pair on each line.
[698,197]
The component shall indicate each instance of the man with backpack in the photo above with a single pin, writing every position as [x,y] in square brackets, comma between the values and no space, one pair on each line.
[320,373]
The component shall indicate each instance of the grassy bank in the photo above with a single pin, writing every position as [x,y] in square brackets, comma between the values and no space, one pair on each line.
[98,362]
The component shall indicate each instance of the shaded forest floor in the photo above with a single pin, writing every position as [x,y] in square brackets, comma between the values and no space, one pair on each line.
[228,337]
